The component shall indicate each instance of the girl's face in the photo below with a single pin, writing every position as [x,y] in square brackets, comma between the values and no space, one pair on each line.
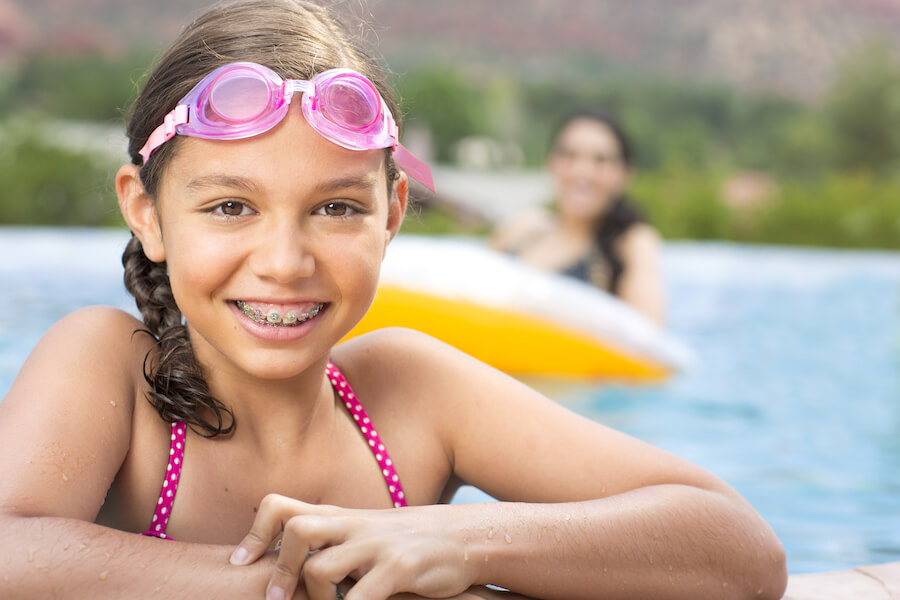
[588,169]
[285,223]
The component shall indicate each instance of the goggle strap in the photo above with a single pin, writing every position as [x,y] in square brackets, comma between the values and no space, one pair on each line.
[414,167]
[162,134]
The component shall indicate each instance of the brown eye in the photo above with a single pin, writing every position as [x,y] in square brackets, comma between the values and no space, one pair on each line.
[336,209]
[232,209]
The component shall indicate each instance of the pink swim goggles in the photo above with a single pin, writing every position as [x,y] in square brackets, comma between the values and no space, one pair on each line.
[244,99]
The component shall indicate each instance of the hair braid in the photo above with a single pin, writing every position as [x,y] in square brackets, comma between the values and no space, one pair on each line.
[178,390]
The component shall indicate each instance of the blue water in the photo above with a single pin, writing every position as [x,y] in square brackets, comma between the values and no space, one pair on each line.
[795,401]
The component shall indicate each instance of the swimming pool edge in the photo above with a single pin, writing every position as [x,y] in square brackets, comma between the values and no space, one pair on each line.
[868,582]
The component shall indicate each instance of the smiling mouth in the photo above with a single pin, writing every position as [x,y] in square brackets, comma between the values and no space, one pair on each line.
[275,319]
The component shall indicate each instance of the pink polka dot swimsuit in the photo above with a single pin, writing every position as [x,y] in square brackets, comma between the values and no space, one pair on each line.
[354,407]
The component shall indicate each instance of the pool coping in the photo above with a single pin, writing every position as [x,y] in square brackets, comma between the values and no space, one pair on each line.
[868,582]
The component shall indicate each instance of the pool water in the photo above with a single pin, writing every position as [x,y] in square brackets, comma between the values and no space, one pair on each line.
[795,400]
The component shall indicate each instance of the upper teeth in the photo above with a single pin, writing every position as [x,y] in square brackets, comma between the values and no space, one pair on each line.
[273,317]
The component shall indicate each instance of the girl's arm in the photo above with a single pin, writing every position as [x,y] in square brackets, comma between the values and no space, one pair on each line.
[597,514]
[65,429]
[53,557]
[641,283]
[604,514]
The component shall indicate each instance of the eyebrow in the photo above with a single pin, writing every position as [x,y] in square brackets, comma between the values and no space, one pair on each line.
[362,182]
[223,181]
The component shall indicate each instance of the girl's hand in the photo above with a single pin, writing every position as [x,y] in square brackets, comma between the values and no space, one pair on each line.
[386,551]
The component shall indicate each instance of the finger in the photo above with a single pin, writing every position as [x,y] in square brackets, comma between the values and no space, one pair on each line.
[375,585]
[326,569]
[302,535]
[273,511]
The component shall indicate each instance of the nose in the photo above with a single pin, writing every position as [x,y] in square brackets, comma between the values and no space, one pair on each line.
[283,255]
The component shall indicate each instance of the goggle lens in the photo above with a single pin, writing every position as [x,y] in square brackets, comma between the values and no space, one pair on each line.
[350,103]
[239,97]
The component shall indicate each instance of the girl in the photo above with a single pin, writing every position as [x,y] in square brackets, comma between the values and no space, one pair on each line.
[259,459]
[594,234]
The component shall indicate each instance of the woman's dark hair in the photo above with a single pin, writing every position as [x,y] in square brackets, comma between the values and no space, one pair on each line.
[622,214]
[297,40]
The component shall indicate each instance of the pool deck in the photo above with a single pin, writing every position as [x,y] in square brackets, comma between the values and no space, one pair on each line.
[872,582]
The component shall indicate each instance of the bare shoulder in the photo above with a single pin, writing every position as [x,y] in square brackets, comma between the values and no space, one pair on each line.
[98,348]
[641,237]
[420,371]
[72,406]
[95,335]
[397,355]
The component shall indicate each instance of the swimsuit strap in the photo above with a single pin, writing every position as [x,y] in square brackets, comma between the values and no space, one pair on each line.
[361,418]
[170,483]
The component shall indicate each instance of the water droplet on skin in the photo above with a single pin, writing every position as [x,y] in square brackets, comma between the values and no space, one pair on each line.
[465,556]
[508,539]
[104,575]
[64,478]
[568,517]
[490,534]
[112,403]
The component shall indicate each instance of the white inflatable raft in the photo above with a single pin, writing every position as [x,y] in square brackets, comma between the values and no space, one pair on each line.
[516,318]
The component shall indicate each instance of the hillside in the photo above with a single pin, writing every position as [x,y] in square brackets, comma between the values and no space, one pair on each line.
[788,46]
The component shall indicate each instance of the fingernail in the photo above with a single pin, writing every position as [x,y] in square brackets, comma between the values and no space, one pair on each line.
[275,593]
[239,556]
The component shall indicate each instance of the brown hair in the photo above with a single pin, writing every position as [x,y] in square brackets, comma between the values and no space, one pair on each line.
[297,40]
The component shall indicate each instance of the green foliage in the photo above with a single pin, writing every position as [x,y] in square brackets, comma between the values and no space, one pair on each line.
[683,204]
[85,87]
[864,106]
[849,210]
[440,99]
[441,219]
[852,210]
[43,184]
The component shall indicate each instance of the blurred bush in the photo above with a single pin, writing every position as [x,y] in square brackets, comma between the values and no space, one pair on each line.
[45,184]
[91,86]
[849,210]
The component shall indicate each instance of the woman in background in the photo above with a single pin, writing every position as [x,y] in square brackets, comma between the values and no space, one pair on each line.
[594,233]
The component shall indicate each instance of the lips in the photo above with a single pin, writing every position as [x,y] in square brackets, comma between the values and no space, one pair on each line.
[279,315]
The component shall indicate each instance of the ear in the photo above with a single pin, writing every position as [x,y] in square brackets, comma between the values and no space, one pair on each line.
[397,207]
[139,211]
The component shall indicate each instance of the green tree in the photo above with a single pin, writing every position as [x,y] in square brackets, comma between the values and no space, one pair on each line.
[47,185]
[443,100]
[864,109]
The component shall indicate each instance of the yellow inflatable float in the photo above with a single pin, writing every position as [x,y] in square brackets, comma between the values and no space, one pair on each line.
[515,318]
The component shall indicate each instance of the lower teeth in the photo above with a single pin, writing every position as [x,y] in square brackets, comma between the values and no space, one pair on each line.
[273,319]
